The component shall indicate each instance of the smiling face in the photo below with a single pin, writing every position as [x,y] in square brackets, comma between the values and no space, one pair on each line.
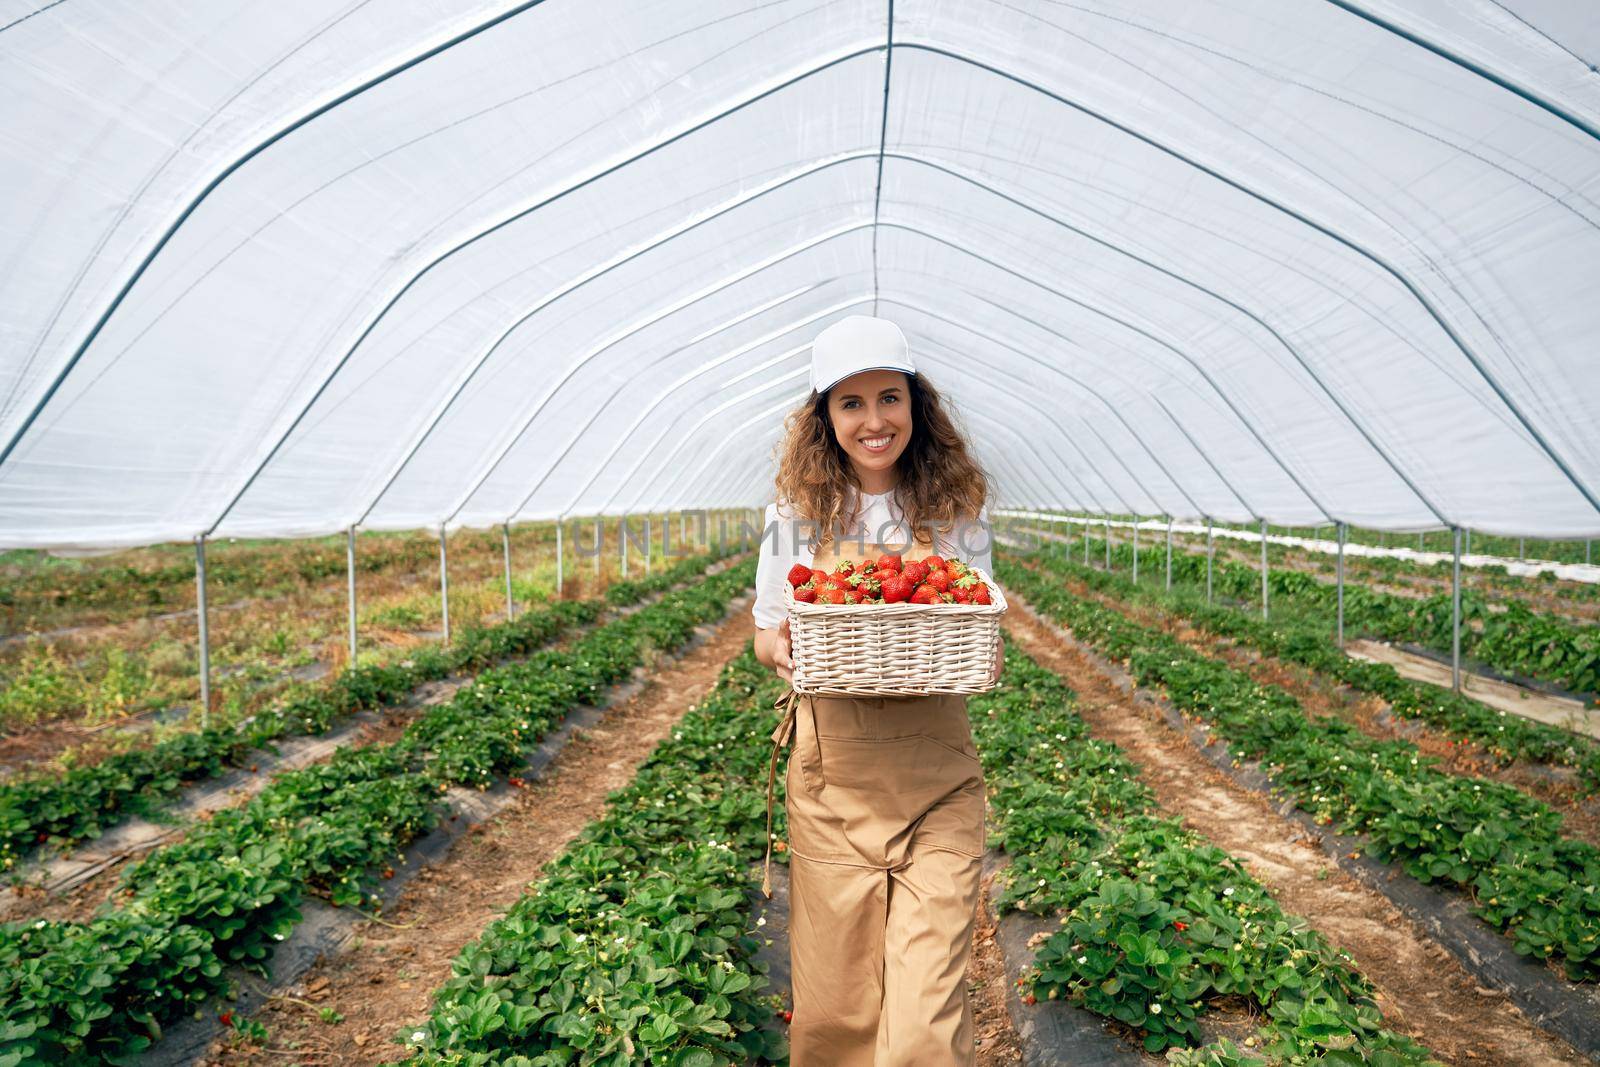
[871,416]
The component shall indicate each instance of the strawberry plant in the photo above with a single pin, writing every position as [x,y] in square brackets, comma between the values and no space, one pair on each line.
[1156,923]
[101,990]
[1311,644]
[636,946]
[84,801]
[1502,846]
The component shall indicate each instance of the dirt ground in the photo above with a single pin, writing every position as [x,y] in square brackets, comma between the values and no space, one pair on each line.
[1321,695]
[998,1045]
[381,983]
[1422,990]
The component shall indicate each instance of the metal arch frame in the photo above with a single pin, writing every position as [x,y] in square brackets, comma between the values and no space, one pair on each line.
[1152,395]
[658,241]
[1085,386]
[1061,485]
[617,261]
[227,172]
[652,318]
[666,461]
[1094,309]
[790,399]
[1045,438]
[641,416]
[655,401]
[1138,483]
[666,493]
[1184,279]
[887,47]
[765,414]
[1326,230]
[1209,461]
[1136,353]
[1532,96]
[507,220]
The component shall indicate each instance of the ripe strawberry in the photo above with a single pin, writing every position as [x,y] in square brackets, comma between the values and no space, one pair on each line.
[830,595]
[818,576]
[916,570]
[805,594]
[890,562]
[845,568]
[960,595]
[852,597]
[935,563]
[226,1018]
[834,581]
[939,580]
[925,594]
[897,589]
[799,575]
[980,594]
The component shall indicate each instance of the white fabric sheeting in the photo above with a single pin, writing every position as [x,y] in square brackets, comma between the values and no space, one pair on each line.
[1168,246]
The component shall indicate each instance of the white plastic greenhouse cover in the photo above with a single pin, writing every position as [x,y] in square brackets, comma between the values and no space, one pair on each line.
[274,269]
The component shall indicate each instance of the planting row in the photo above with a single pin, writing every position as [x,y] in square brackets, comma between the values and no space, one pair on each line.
[1310,644]
[636,946]
[101,991]
[1505,848]
[1157,925]
[65,808]
[1517,640]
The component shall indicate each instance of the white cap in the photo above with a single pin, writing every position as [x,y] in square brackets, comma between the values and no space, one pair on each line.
[856,343]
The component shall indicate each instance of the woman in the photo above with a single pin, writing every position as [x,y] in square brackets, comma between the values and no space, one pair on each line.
[885,795]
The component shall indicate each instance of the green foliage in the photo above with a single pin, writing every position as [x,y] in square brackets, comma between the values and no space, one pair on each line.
[101,990]
[635,947]
[1157,924]
[1505,848]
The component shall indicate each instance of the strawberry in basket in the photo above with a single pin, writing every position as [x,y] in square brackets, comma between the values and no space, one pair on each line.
[890,580]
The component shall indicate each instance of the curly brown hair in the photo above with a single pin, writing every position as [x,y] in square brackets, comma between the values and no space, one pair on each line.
[940,484]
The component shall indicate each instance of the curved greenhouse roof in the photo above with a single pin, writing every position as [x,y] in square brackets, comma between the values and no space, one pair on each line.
[274,269]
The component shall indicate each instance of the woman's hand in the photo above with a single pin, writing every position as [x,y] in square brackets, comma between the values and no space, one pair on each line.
[781,653]
[773,650]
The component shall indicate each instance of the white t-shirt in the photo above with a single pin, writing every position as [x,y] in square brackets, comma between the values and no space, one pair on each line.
[786,540]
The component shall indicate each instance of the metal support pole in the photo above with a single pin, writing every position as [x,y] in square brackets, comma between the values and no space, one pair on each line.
[444,584]
[205,629]
[350,573]
[560,555]
[1339,582]
[647,552]
[722,533]
[599,546]
[1108,546]
[1263,568]
[1210,556]
[1136,550]
[1587,546]
[505,540]
[683,529]
[1169,553]
[1522,548]
[622,543]
[1468,535]
[1455,616]
[1086,543]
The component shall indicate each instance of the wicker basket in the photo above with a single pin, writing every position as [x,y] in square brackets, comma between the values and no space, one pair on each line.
[894,649]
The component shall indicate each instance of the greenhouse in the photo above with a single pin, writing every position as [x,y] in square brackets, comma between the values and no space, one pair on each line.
[408,411]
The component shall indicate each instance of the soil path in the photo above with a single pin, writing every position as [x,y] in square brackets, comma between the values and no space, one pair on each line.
[384,980]
[1422,990]
[1322,695]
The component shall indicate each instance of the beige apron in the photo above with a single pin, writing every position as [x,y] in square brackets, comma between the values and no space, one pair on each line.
[886,838]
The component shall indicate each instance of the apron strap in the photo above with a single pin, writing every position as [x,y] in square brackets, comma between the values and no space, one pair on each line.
[779,737]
